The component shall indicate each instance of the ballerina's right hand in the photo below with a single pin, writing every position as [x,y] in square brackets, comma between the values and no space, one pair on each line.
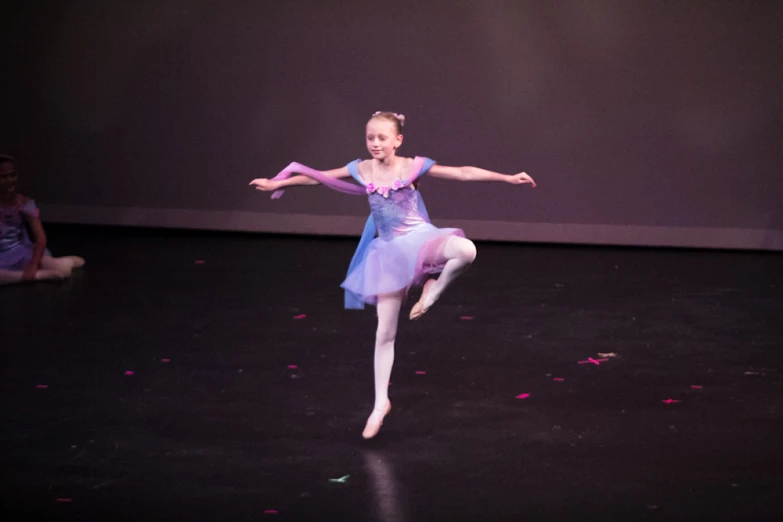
[265,184]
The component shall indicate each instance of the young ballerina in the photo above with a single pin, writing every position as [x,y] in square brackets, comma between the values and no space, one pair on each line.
[20,258]
[407,249]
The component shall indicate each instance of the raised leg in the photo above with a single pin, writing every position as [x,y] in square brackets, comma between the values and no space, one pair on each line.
[458,253]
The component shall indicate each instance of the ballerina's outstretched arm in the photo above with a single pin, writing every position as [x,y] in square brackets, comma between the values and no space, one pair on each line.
[477,174]
[286,178]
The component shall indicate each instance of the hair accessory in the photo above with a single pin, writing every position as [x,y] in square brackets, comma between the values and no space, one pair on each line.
[399,117]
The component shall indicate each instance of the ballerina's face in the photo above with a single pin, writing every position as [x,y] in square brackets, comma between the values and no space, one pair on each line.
[382,138]
[8,178]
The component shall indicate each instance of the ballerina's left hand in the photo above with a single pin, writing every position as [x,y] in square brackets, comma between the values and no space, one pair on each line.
[518,179]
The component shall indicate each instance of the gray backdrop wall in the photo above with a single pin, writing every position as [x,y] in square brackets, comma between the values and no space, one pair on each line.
[645,122]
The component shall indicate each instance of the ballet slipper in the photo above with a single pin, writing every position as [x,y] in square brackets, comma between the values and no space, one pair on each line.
[419,309]
[373,425]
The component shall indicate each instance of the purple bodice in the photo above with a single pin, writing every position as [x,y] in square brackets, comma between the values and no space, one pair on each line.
[12,220]
[396,214]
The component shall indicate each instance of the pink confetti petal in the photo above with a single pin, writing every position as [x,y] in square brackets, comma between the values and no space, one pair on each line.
[199,262]
[129,372]
[63,499]
[41,386]
[300,316]
[165,360]
[558,379]
[466,317]
[292,367]
[419,372]
[270,512]
[696,386]
[590,360]
[670,401]
[523,396]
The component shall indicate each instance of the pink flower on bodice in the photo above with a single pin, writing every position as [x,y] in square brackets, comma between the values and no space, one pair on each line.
[384,191]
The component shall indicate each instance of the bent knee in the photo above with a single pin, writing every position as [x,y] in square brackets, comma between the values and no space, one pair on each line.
[460,248]
[467,250]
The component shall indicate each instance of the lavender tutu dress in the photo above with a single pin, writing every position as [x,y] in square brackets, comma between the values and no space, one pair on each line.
[407,247]
[16,248]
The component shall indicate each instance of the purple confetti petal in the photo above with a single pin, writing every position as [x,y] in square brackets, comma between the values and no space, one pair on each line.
[41,386]
[419,372]
[523,396]
[696,386]
[466,317]
[199,262]
[270,512]
[670,401]
[559,379]
[129,372]
[300,316]
[292,367]
[165,360]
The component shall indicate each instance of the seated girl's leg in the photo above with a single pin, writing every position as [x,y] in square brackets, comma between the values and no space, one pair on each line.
[15,276]
[458,253]
[47,274]
[8,277]
[388,308]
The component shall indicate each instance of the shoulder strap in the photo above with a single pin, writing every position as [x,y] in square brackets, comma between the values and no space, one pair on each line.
[29,208]
[420,167]
[353,168]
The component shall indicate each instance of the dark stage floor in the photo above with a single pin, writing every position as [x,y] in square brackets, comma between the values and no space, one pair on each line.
[214,423]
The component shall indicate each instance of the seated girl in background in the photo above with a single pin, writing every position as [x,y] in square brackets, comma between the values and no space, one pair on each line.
[21,259]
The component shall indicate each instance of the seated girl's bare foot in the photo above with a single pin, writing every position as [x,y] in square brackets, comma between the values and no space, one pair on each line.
[76,261]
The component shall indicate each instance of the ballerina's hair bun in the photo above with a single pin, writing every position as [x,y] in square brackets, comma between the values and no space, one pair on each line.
[397,119]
